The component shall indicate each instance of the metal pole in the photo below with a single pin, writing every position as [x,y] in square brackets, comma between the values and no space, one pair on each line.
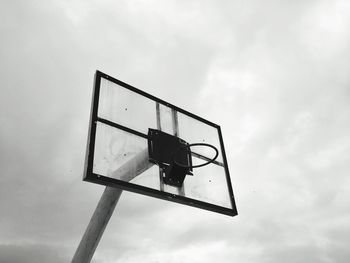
[106,205]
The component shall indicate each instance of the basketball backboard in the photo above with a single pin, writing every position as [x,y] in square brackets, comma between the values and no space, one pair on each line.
[127,124]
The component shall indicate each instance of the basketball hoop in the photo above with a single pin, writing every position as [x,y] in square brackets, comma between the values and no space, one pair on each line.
[188,146]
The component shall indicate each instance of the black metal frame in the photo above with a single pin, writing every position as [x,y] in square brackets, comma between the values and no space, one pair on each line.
[90,176]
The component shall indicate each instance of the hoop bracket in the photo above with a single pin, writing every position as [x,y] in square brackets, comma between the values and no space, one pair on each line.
[174,156]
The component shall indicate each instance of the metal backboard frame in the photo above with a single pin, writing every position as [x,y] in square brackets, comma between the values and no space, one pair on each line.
[91,176]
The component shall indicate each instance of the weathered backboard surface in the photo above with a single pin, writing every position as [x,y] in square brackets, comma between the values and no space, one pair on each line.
[121,117]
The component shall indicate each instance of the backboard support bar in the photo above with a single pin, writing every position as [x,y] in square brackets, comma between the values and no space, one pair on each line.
[106,206]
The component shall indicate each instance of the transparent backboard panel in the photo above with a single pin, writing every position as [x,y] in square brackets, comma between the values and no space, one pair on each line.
[194,131]
[208,185]
[121,118]
[114,148]
[126,108]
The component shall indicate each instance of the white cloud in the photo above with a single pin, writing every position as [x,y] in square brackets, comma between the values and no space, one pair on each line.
[274,75]
[15,253]
[324,28]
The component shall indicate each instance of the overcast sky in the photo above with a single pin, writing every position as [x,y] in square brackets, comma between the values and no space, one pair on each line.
[273,74]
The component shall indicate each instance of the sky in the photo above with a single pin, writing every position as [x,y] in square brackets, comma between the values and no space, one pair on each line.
[273,74]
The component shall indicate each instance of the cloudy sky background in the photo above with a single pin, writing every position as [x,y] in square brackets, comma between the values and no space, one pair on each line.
[273,74]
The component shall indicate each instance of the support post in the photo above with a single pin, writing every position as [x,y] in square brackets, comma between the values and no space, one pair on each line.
[106,205]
